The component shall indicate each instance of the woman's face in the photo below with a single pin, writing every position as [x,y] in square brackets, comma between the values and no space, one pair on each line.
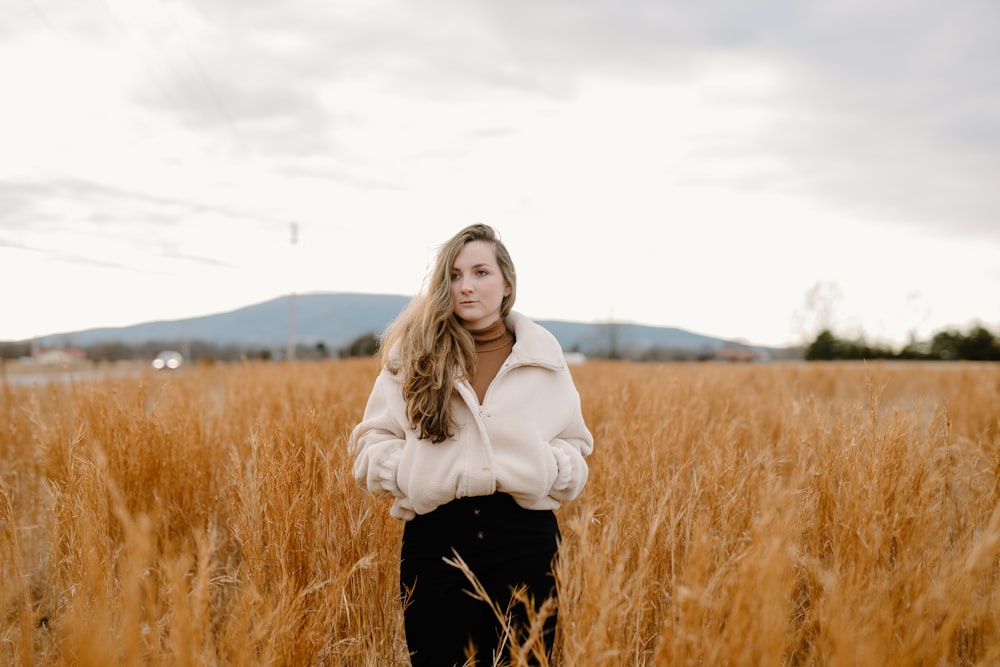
[477,286]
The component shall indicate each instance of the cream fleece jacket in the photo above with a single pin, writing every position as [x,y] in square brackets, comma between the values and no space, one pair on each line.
[527,439]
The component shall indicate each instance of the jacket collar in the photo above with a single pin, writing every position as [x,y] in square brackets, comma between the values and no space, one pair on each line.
[533,344]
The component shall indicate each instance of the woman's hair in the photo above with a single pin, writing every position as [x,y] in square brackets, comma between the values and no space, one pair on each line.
[427,343]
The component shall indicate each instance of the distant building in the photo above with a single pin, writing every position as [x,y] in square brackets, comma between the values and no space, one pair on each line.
[744,354]
[58,356]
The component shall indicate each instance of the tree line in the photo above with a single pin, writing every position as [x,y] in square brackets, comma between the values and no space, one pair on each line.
[977,344]
[201,351]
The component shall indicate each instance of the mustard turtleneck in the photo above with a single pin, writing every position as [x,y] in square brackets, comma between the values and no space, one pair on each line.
[493,346]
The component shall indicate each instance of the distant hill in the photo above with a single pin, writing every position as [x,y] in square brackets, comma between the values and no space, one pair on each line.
[337,319]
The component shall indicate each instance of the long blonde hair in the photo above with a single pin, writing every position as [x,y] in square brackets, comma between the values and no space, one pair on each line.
[427,343]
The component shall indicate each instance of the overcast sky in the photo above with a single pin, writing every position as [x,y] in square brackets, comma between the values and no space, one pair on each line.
[748,170]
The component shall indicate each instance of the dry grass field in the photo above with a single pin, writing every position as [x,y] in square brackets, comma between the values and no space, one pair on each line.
[775,514]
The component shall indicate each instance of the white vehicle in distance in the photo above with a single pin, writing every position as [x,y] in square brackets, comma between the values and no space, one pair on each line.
[168,360]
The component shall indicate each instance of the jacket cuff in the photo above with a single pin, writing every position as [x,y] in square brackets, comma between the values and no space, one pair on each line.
[572,471]
[401,510]
[387,474]
[564,470]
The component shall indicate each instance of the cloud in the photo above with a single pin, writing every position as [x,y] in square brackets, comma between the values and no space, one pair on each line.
[105,203]
[4,243]
[887,109]
[897,112]
[108,219]
[60,256]
[887,112]
[64,19]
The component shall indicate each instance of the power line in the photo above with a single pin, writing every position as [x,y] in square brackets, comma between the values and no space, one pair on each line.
[204,79]
[202,75]
[153,76]
[42,15]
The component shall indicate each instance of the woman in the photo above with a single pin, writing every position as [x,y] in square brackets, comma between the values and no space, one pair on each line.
[474,428]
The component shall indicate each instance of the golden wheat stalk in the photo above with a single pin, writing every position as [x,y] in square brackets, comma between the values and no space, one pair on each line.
[788,513]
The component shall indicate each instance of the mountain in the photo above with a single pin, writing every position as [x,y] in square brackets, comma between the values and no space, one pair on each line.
[337,319]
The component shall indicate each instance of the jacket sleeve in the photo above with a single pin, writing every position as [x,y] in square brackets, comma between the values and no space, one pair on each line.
[570,447]
[377,441]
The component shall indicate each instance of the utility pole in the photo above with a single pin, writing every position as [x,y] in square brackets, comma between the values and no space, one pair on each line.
[290,350]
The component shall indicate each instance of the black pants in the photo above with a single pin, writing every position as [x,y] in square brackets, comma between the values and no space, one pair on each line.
[503,544]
